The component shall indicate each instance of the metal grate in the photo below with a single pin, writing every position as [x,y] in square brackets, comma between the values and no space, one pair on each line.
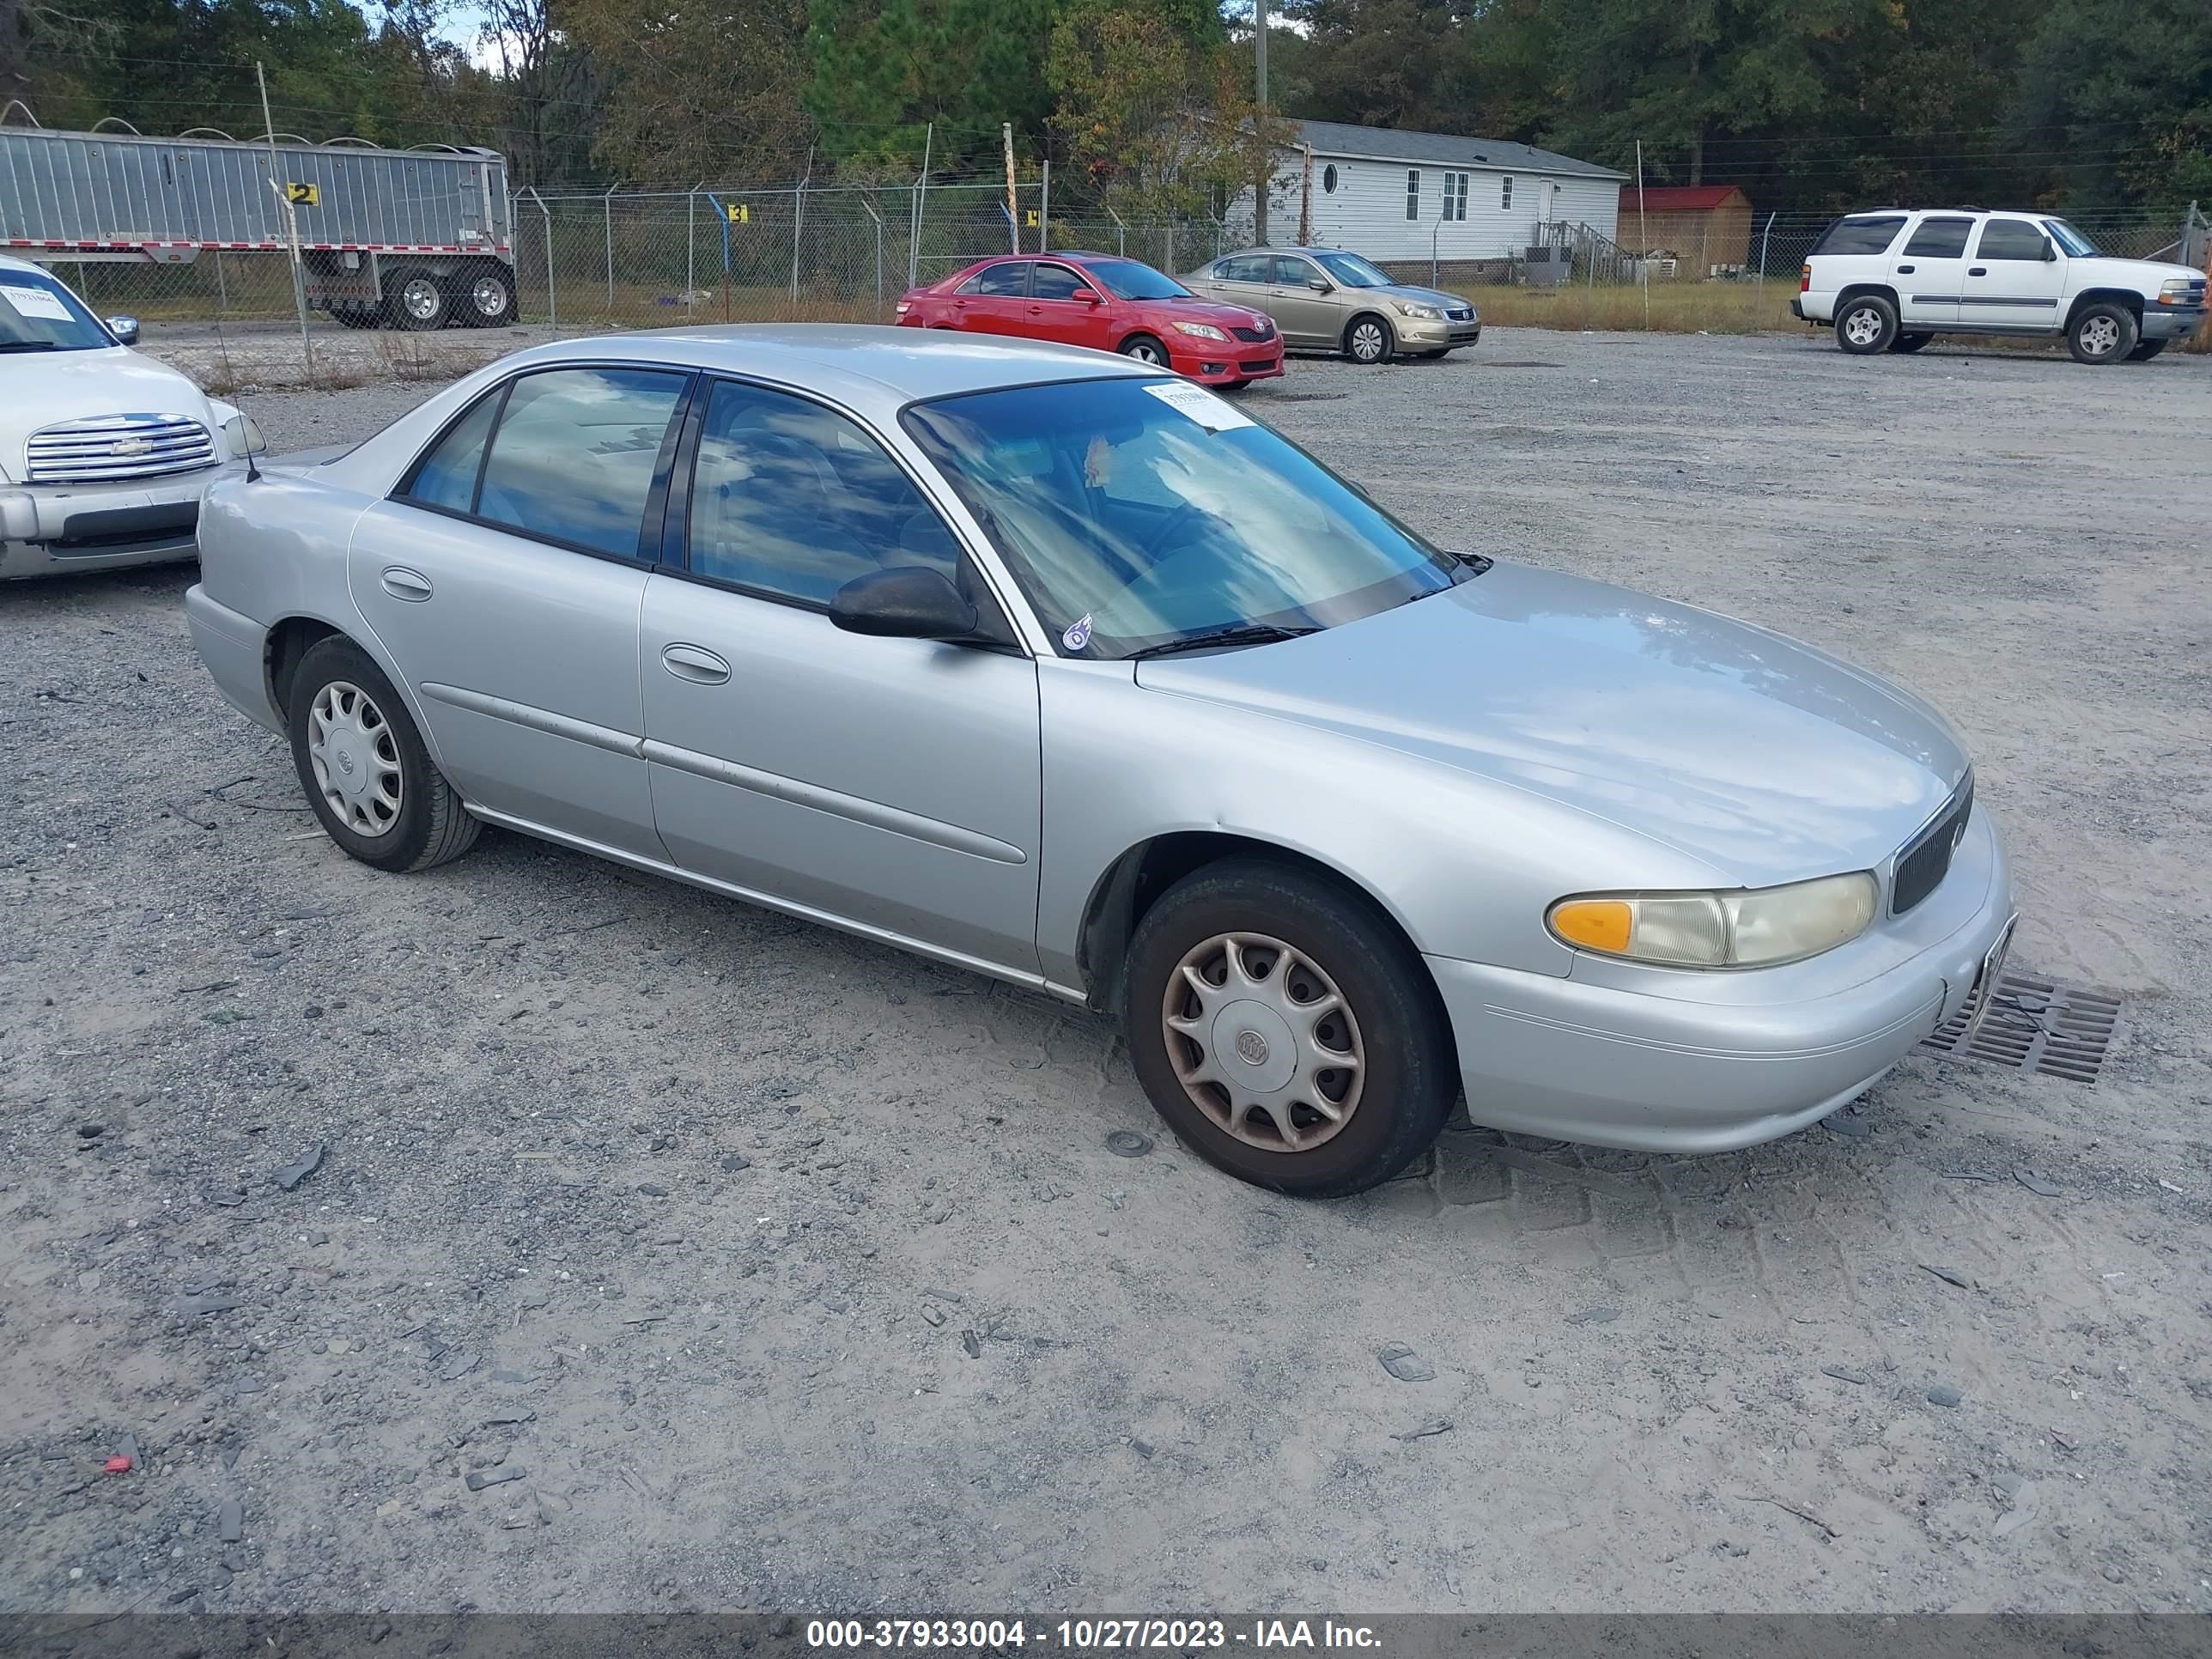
[2034,1024]
[116,448]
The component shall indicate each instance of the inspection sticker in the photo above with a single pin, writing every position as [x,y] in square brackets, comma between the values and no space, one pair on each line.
[1212,413]
[35,302]
[1079,633]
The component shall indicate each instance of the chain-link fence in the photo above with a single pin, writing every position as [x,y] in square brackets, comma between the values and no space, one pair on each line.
[641,259]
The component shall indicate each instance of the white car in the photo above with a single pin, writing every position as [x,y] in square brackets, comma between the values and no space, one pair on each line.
[1894,279]
[104,453]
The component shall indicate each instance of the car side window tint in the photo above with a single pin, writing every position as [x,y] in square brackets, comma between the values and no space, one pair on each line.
[1293,273]
[574,454]
[447,476]
[2010,239]
[1860,235]
[1244,268]
[1008,278]
[794,501]
[1940,238]
[1056,283]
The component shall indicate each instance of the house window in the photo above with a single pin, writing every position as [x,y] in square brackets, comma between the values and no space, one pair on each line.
[1505,194]
[1413,192]
[1329,179]
[1455,206]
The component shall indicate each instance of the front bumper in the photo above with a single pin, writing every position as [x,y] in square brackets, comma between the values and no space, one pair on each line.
[1711,1062]
[1231,362]
[49,530]
[1435,334]
[2171,322]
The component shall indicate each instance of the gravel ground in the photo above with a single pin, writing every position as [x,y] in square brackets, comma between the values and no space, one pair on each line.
[666,1253]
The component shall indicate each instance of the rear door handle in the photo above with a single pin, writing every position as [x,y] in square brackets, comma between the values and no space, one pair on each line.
[1904,271]
[404,584]
[1978,271]
[696,663]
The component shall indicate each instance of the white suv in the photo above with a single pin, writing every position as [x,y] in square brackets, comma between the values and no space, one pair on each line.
[1893,279]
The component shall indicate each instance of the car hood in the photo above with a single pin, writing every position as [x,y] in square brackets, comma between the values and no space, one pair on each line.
[1765,758]
[1216,312]
[46,387]
[1423,296]
[2147,273]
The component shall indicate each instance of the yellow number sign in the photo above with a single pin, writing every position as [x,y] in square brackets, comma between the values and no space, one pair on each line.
[304,195]
[740,212]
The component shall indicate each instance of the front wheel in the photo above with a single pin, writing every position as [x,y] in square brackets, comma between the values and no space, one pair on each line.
[1285,1030]
[1866,324]
[366,774]
[1369,340]
[2147,350]
[2102,333]
[1146,349]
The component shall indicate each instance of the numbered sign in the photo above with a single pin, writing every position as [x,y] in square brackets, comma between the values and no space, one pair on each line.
[740,212]
[303,195]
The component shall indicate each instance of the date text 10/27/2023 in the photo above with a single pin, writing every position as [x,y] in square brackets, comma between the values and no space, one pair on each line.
[1089,1635]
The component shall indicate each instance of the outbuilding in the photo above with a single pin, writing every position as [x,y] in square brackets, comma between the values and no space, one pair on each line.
[1420,195]
[1705,229]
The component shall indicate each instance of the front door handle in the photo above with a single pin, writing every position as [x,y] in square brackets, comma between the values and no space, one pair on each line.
[1978,271]
[696,663]
[1904,271]
[404,584]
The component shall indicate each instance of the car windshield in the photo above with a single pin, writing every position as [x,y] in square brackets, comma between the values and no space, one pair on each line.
[1351,270]
[1130,281]
[1136,514]
[37,314]
[2076,244]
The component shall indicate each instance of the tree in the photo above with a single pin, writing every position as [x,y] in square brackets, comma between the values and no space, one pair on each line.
[2117,98]
[708,91]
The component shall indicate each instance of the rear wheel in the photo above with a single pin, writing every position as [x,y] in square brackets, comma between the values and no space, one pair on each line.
[1368,339]
[2149,349]
[2102,333]
[1146,349]
[1286,1030]
[1910,341]
[368,777]
[418,301]
[1866,324]
[483,297]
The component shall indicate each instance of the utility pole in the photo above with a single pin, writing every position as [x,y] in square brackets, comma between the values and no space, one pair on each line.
[1306,203]
[1259,88]
[291,223]
[1643,236]
[1013,208]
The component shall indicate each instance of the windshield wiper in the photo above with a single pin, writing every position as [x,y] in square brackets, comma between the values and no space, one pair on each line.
[1240,633]
[29,345]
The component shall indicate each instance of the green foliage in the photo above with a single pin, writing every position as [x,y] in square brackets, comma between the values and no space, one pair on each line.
[2129,86]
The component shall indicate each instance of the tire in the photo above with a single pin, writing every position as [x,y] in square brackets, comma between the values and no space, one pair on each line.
[1865,325]
[1368,339]
[1299,933]
[2101,333]
[1146,349]
[482,296]
[2146,351]
[338,688]
[416,299]
[1909,343]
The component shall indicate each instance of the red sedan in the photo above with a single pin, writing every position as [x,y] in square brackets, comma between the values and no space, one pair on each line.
[1108,303]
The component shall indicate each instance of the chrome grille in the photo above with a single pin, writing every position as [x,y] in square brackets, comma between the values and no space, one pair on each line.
[116,448]
[1924,860]
[1459,313]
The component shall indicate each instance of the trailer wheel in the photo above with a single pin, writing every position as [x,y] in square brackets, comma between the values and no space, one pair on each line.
[483,296]
[417,300]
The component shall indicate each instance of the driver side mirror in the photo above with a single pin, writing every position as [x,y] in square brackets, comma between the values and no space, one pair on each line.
[2050,254]
[124,329]
[907,602]
[1319,284]
[1091,297]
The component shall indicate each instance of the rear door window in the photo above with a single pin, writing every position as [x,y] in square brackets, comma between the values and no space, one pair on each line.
[1940,238]
[1870,234]
[1244,268]
[2010,239]
[1008,279]
[447,476]
[575,452]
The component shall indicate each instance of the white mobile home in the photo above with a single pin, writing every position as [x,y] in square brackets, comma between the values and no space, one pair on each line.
[1405,196]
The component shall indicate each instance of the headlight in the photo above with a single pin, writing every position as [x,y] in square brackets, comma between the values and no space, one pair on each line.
[243,436]
[1203,330]
[2177,291]
[1741,928]
[1414,308]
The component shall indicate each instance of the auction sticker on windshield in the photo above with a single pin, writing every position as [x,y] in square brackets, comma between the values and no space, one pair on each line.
[35,302]
[1212,413]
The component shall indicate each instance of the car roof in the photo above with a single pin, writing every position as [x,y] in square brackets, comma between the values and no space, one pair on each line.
[867,366]
[9,261]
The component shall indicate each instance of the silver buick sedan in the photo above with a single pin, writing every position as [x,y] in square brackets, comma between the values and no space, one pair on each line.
[1037,662]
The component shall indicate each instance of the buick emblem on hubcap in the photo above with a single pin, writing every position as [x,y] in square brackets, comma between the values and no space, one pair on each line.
[1251,1047]
[345,763]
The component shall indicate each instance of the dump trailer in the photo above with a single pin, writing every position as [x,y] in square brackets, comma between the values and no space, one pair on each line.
[388,238]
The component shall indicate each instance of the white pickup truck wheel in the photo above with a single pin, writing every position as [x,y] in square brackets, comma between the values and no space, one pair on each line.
[2102,333]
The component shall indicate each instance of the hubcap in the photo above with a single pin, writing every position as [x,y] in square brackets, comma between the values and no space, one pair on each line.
[2099,335]
[1146,352]
[1263,1042]
[1367,341]
[490,296]
[355,760]
[421,298]
[1863,327]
